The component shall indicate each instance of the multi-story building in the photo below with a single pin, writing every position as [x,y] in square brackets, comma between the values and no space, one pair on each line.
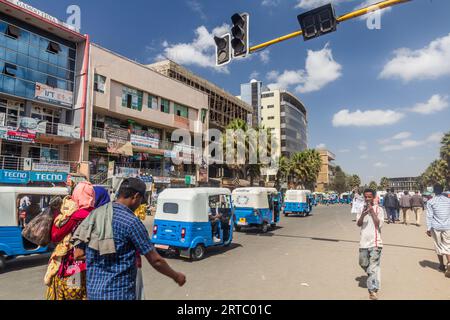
[286,117]
[251,94]
[403,184]
[326,172]
[43,64]
[223,107]
[142,107]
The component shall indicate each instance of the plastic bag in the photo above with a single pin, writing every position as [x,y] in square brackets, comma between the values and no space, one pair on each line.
[38,231]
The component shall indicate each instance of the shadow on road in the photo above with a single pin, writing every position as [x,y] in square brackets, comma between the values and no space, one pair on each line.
[429,264]
[25,263]
[256,232]
[349,241]
[362,281]
[210,252]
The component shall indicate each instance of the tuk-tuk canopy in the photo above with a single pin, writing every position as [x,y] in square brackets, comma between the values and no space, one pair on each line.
[10,197]
[256,198]
[298,196]
[187,205]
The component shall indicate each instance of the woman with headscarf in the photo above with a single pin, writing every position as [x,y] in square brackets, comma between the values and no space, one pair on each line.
[66,277]
[102,197]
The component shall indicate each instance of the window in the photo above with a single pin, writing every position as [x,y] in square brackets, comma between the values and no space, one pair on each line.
[271,118]
[13,32]
[268,95]
[203,115]
[52,82]
[165,106]
[132,98]
[53,48]
[271,106]
[181,111]
[171,208]
[152,102]
[10,69]
[99,83]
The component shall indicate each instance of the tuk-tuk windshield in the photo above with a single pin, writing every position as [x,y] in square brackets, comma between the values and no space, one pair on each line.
[259,201]
[30,206]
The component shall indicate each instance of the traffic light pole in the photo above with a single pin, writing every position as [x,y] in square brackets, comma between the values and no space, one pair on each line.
[345,17]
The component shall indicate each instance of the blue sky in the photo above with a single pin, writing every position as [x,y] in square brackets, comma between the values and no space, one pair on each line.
[378,99]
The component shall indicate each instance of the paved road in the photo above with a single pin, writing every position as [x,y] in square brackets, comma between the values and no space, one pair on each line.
[305,258]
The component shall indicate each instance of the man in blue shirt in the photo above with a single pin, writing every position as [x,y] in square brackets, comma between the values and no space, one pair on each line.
[113,277]
[438,222]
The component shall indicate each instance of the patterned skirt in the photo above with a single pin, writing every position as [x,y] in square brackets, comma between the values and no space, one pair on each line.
[67,288]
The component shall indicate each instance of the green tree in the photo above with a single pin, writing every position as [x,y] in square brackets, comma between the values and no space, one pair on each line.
[373,185]
[305,167]
[284,171]
[384,184]
[339,183]
[354,181]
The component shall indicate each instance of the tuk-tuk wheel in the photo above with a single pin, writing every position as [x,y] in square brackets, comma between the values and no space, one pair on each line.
[238,228]
[198,252]
[2,263]
[264,228]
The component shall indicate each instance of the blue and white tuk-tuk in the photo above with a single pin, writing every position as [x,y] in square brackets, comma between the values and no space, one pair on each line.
[345,198]
[16,204]
[298,202]
[256,207]
[182,221]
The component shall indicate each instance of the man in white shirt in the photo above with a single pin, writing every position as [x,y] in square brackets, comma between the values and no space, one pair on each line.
[370,220]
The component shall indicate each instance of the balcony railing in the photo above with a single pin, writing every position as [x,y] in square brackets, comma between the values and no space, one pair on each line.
[20,164]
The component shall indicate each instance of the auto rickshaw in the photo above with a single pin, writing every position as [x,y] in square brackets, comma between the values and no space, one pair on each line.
[298,202]
[345,198]
[16,206]
[182,221]
[256,207]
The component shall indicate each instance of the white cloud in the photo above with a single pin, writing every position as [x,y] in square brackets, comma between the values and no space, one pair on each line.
[197,7]
[380,165]
[265,56]
[311,4]
[399,136]
[270,3]
[254,75]
[200,52]
[369,118]
[344,151]
[321,146]
[320,70]
[435,104]
[430,62]
[407,144]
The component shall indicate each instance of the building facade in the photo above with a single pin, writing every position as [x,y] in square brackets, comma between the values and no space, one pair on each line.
[251,94]
[43,94]
[403,184]
[141,107]
[326,172]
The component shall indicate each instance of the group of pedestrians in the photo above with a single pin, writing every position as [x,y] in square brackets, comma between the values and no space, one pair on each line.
[100,244]
[370,218]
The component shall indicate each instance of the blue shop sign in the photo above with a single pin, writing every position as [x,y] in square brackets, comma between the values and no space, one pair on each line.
[147,179]
[53,177]
[14,177]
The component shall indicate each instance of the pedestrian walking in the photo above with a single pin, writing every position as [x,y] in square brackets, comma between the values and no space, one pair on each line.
[438,226]
[370,220]
[418,206]
[66,276]
[405,205]
[391,205]
[112,276]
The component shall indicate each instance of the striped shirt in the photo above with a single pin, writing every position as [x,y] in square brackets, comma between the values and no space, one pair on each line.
[113,277]
[438,213]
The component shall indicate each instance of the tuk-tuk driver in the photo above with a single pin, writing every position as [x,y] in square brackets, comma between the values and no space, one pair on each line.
[214,218]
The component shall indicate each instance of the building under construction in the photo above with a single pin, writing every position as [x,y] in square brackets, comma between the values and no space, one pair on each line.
[223,106]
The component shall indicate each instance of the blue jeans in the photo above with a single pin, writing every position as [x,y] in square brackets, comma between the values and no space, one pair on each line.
[392,214]
[370,260]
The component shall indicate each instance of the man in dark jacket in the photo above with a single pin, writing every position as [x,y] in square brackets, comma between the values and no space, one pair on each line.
[405,204]
[417,206]
[391,205]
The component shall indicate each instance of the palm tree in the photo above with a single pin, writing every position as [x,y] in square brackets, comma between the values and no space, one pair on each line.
[384,183]
[373,185]
[284,171]
[355,181]
[305,167]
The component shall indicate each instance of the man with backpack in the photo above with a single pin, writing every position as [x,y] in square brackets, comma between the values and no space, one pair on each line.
[391,205]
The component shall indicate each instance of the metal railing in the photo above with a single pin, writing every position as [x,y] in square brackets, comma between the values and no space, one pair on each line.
[8,162]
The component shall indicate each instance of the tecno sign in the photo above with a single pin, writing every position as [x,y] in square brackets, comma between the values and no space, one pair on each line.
[48,177]
[15,175]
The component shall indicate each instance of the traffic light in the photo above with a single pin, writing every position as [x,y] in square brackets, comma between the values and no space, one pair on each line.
[240,32]
[318,22]
[223,49]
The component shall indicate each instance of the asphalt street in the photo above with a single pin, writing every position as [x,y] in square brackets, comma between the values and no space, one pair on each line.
[304,258]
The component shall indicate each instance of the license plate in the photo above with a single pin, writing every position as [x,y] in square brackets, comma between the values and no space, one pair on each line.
[160,246]
[242,222]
